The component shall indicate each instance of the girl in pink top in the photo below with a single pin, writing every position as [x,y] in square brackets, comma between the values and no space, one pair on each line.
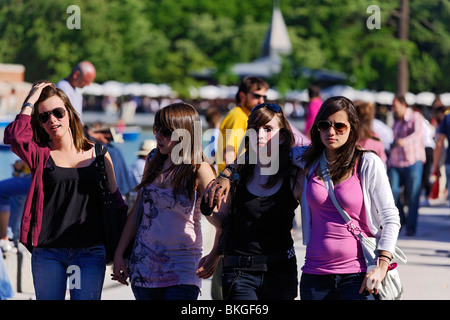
[332,248]
[166,261]
[334,265]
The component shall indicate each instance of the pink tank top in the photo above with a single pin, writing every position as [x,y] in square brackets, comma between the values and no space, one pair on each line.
[332,249]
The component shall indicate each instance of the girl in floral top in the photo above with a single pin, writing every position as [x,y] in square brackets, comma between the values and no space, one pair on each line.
[165,262]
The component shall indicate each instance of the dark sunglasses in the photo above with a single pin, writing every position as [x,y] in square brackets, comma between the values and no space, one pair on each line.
[57,112]
[325,125]
[258,96]
[271,106]
[166,132]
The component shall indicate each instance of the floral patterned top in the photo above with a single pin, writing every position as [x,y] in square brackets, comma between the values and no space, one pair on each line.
[168,245]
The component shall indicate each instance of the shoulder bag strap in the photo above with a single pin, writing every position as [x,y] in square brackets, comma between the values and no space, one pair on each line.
[100,159]
[29,244]
[397,254]
[106,195]
[330,187]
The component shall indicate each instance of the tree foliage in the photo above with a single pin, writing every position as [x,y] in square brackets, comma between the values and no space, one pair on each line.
[166,41]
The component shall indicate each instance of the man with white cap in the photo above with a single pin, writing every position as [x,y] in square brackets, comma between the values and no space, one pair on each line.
[137,168]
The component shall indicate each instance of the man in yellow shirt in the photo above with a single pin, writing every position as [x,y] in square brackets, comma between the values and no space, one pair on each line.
[252,91]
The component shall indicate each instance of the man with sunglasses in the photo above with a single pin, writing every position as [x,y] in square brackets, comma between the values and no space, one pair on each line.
[252,91]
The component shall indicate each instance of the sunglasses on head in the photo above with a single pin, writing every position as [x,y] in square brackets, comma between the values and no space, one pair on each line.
[325,125]
[57,112]
[271,106]
[258,96]
[166,132]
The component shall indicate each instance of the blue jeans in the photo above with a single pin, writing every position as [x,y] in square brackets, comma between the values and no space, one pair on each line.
[411,178]
[179,292]
[447,174]
[278,284]
[13,192]
[82,270]
[6,290]
[332,286]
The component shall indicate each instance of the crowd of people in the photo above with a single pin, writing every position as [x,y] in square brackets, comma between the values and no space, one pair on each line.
[378,178]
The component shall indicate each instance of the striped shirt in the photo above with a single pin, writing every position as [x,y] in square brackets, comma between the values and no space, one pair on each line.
[410,130]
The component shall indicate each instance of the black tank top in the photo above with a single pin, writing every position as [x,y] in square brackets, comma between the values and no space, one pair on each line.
[71,216]
[262,225]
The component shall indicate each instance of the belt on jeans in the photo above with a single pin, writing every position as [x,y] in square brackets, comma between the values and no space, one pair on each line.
[248,261]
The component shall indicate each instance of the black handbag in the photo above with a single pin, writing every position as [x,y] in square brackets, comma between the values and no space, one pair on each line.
[114,215]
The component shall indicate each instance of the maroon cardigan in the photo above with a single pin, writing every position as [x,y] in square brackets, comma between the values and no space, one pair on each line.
[19,135]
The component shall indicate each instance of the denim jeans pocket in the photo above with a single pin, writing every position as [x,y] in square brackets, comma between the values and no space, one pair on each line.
[97,250]
[229,278]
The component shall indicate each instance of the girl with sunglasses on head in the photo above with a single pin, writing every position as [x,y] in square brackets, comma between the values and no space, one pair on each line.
[259,260]
[166,260]
[61,220]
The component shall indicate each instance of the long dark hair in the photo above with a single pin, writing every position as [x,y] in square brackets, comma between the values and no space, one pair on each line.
[257,119]
[348,154]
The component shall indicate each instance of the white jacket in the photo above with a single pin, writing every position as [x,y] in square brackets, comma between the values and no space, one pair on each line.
[382,215]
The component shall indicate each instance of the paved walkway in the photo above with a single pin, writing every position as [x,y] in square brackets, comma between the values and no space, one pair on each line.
[426,276]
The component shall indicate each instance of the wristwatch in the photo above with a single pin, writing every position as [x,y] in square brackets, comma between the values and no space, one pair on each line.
[28,104]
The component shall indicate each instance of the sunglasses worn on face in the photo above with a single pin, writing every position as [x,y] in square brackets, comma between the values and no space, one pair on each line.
[57,112]
[166,132]
[271,106]
[339,127]
[258,96]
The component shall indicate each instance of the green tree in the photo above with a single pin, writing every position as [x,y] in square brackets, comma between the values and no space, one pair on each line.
[168,40]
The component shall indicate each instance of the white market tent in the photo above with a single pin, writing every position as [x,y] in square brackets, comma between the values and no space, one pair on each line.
[211,92]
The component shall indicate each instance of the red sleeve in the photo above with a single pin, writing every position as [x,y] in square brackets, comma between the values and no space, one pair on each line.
[19,135]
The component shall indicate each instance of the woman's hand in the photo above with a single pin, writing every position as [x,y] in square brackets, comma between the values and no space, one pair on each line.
[36,91]
[216,191]
[207,265]
[373,278]
[120,270]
